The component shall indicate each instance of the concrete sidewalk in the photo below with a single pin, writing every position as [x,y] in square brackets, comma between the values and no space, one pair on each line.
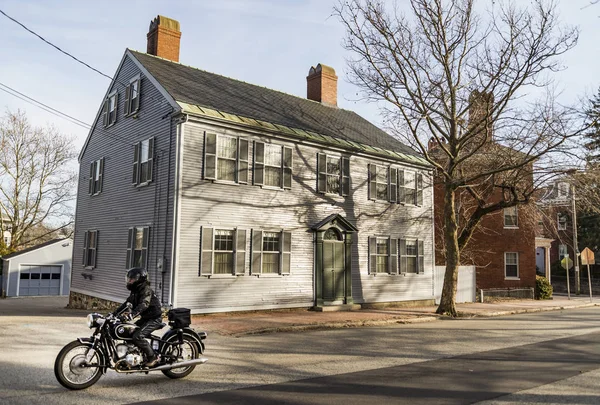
[238,324]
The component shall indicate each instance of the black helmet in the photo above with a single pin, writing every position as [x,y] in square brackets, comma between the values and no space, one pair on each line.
[136,277]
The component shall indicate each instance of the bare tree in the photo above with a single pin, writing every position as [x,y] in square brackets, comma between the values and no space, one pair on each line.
[455,87]
[36,184]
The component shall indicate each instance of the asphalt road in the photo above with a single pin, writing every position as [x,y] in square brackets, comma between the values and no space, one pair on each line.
[515,359]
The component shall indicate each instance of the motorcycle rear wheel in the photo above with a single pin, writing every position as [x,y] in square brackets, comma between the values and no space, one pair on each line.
[187,351]
[69,370]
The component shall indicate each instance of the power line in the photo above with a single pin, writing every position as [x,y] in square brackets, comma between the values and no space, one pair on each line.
[54,46]
[45,107]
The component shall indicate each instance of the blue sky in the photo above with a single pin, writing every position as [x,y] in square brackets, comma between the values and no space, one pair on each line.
[271,43]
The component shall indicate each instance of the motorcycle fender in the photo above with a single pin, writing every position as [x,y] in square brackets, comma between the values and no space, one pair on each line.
[89,342]
[191,333]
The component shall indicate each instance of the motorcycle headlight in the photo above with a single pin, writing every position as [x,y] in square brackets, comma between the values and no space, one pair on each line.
[94,320]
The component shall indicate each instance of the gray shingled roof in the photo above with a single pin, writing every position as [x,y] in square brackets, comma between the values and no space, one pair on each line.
[197,87]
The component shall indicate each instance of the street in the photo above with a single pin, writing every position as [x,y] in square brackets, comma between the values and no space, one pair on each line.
[549,357]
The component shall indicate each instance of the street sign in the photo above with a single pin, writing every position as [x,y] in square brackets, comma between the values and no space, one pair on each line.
[587,256]
[566,263]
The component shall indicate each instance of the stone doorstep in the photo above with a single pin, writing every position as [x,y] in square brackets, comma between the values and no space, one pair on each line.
[337,308]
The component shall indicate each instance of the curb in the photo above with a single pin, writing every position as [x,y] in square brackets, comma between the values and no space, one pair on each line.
[525,310]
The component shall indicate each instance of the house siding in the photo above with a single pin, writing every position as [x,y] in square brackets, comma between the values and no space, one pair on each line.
[121,204]
[213,204]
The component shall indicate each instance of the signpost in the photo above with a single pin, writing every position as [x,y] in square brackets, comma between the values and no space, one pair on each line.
[566,263]
[587,257]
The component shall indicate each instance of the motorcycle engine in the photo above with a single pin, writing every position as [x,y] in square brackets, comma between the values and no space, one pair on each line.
[129,356]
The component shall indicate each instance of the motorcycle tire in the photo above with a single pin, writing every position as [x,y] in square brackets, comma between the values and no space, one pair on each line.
[188,350]
[68,370]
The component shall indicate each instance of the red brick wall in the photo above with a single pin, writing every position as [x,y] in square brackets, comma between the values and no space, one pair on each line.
[321,86]
[164,42]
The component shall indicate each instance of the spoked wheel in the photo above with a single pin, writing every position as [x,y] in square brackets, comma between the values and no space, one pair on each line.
[71,369]
[184,352]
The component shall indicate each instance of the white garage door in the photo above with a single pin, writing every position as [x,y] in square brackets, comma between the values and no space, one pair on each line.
[39,280]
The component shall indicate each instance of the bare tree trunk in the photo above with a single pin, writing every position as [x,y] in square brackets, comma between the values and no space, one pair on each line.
[447,302]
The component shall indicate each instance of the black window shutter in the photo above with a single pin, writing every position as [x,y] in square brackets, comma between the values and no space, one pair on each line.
[136,164]
[210,156]
[421,257]
[401,193]
[135,103]
[105,113]
[95,251]
[145,243]
[419,189]
[127,99]
[286,252]
[113,115]
[257,242]
[403,256]
[240,251]
[372,181]
[321,173]
[372,255]
[287,167]
[259,163]
[242,156]
[345,176]
[129,257]
[150,159]
[206,250]
[85,246]
[91,182]
[393,186]
[393,265]
[101,176]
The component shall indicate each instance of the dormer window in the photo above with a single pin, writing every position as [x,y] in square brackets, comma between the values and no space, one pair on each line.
[109,110]
[132,96]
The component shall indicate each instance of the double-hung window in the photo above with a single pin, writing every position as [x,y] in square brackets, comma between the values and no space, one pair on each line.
[333,174]
[271,252]
[412,256]
[90,248]
[223,251]
[511,265]
[109,110]
[96,177]
[379,182]
[143,158]
[225,158]
[132,96]
[383,255]
[562,251]
[510,217]
[562,221]
[137,247]
[272,165]
[410,187]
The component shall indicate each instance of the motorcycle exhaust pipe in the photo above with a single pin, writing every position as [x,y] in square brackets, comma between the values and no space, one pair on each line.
[187,363]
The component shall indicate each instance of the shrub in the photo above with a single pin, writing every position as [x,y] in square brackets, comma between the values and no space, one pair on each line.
[543,289]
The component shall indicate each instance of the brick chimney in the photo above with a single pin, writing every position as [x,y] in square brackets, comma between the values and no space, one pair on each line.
[164,38]
[321,85]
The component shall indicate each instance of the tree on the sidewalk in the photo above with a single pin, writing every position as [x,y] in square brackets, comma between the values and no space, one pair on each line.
[460,81]
[36,183]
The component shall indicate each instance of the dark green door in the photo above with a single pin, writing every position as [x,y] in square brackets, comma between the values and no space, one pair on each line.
[333,271]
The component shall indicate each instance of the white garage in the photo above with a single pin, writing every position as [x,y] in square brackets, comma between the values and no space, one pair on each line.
[38,271]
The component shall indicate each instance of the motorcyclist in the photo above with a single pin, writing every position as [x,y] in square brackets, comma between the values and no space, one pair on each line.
[145,304]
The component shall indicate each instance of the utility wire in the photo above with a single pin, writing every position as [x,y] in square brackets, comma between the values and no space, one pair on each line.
[47,107]
[54,46]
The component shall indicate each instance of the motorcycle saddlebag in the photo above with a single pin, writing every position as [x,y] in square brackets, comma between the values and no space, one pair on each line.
[179,318]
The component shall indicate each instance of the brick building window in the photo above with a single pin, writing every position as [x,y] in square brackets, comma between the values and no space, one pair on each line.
[561,221]
[510,217]
[511,265]
[562,251]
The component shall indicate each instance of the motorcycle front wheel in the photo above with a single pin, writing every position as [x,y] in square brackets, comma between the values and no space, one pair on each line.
[71,369]
[184,352]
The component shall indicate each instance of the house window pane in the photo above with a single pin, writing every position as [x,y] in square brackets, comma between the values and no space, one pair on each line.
[411,256]
[511,261]
[382,183]
[562,251]
[223,251]
[144,156]
[562,222]
[382,255]
[510,216]
[333,174]
[272,165]
[134,89]
[270,260]
[410,191]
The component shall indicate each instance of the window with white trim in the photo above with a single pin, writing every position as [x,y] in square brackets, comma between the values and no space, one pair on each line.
[90,247]
[511,217]
[379,183]
[333,175]
[561,219]
[271,252]
[272,165]
[410,187]
[562,251]
[412,257]
[132,96]
[109,109]
[383,255]
[225,158]
[143,159]
[137,247]
[222,251]
[511,265]
[95,180]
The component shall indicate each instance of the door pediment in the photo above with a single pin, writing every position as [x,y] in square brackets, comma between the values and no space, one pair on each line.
[335,220]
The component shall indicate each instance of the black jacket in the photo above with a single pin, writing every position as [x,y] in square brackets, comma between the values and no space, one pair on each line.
[145,303]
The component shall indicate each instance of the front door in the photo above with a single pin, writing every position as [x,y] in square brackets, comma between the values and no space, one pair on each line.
[333,272]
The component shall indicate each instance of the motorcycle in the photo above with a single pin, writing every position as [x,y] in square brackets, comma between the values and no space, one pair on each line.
[81,363]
